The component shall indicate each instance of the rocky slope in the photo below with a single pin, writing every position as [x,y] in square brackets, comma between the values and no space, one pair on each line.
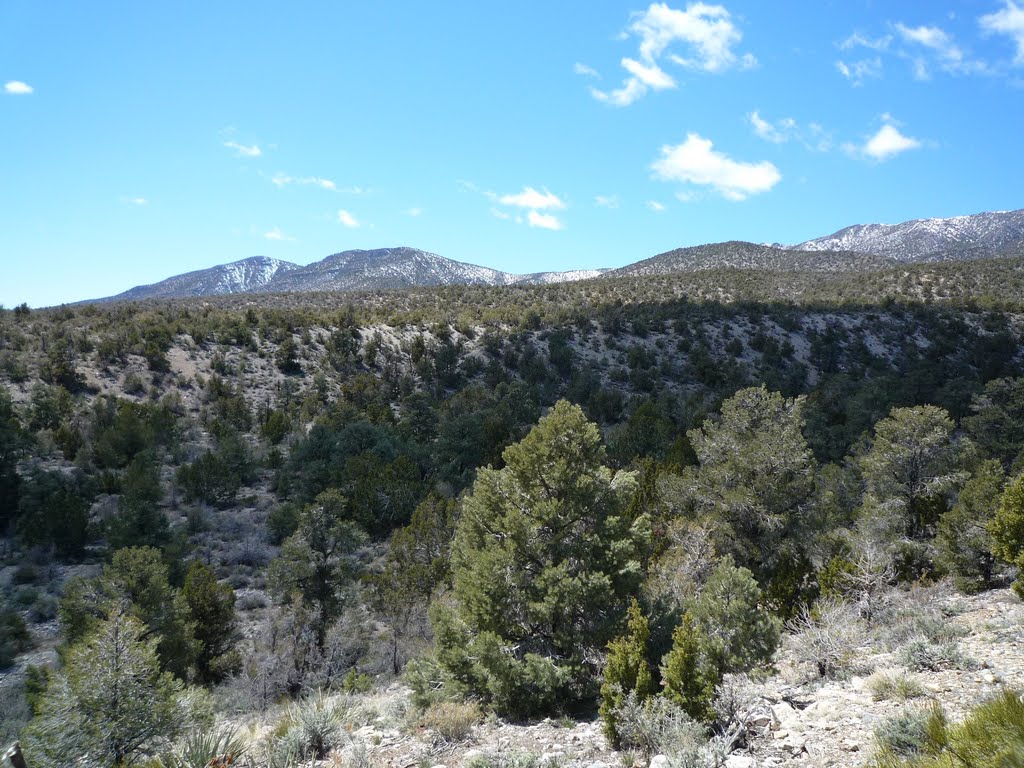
[742,255]
[237,277]
[982,235]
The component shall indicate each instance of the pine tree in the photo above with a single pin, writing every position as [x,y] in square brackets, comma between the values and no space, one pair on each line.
[111,705]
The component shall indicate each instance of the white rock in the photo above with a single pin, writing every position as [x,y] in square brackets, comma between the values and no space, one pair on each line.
[659,761]
[739,761]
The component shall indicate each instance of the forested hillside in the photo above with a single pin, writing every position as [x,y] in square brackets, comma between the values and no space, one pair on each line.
[620,498]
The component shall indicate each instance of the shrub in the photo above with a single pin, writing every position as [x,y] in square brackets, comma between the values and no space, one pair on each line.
[656,726]
[904,734]
[923,655]
[991,736]
[894,686]
[689,672]
[826,636]
[450,722]
[311,728]
[626,670]
[206,749]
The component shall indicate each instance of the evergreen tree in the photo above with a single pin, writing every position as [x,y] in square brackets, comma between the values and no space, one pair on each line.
[963,541]
[211,606]
[316,563]
[111,705]
[689,673]
[626,670]
[755,481]
[543,554]
[1007,530]
[134,581]
[914,463]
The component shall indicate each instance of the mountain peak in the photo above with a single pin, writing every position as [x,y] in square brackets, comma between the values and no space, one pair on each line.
[980,235]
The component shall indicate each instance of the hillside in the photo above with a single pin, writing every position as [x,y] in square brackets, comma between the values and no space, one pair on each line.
[750,256]
[190,458]
[237,277]
[979,236]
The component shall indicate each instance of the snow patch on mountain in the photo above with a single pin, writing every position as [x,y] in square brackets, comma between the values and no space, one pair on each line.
[981,235]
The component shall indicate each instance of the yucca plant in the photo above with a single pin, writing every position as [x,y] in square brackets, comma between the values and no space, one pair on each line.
[207,749]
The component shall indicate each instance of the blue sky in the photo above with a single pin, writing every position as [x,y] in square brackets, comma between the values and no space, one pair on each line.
[141,140]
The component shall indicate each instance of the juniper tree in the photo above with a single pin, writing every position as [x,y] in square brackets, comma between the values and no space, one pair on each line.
[543,559]
[755,482]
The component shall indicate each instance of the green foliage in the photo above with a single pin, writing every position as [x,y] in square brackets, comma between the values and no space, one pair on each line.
[218,748]
[1007,529]
[12,444]
[136,581]
[534,604]
[110,702]
[139,521]
[914,463]
[211,606]
[216,476]
[53,511]
[626,670]
[418,562]
[963,541]
[996,423]
[689,672]
[14,636]
[316,562]
[729,611]
[991,736]
[755,480]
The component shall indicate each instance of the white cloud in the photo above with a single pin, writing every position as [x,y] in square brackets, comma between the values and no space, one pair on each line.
[1009,21]
[348,220]
[543,220]
[607,201]
[500,214]
[696,162]
[652,75]
[858,40]
[707,32]
[243,150]
[414,211]
[630,91]
[283,179]
[655,206]
[585,71]
[17,88]
[862,69]
[531,198]
[931,37]
[888,142]
[813,136]
[937,41]
[777,133]
[927,48]
[136,200]
[277,234]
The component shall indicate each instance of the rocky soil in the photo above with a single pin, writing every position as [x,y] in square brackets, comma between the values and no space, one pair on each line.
[787,719]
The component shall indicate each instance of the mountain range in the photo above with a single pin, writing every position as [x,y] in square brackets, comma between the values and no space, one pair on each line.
[862,247]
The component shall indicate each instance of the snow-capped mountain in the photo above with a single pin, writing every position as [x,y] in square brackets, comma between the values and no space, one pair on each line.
[982,235]
[383,268]
[354,270]
[737,254]
[237,277]
[548,278]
